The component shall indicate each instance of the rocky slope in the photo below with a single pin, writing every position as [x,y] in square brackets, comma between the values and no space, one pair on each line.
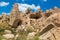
[30,26]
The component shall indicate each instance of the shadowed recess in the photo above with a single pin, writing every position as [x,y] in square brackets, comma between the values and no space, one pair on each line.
[17,23]
[49,27]
[57,24]
[35,16]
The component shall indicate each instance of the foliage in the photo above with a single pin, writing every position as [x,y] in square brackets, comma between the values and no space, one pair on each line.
[21,37]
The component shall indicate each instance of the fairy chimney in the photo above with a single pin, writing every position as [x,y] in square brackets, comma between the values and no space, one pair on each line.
[48,13]
[14,16]
[40,13]
[28,11]
[55,8]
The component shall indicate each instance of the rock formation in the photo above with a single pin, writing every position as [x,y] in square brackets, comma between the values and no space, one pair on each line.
[47,23]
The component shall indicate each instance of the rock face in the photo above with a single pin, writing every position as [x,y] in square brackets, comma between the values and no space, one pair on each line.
[8,36]
[48,23]
[30,35]
[2,18]
[14,16]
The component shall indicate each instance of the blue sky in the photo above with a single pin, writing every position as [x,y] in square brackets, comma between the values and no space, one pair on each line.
[6,5]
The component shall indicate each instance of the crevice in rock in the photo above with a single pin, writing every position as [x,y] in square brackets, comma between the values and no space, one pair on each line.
[49,27]
[57,24]
[54,36]
[17,23]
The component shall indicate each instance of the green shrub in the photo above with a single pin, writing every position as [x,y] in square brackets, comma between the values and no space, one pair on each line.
[21,37]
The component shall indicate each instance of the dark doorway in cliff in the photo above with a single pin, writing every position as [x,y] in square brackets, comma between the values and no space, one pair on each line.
[17,23]
[35,16]
[49,27]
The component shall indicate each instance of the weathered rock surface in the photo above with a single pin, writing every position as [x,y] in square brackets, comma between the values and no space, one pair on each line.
[9,36]
[31,36]
[47,24]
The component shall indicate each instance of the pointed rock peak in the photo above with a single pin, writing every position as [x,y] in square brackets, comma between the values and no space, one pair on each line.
[47,11]
[39,11]
[55,8]
[51,10]
[28,11]
[15,6]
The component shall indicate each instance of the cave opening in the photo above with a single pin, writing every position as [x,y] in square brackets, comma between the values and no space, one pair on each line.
[35,16]
[17,23]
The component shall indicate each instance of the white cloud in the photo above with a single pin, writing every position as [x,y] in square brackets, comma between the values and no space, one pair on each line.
[23,7]
[5,13]
[44,0]
[4,3]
